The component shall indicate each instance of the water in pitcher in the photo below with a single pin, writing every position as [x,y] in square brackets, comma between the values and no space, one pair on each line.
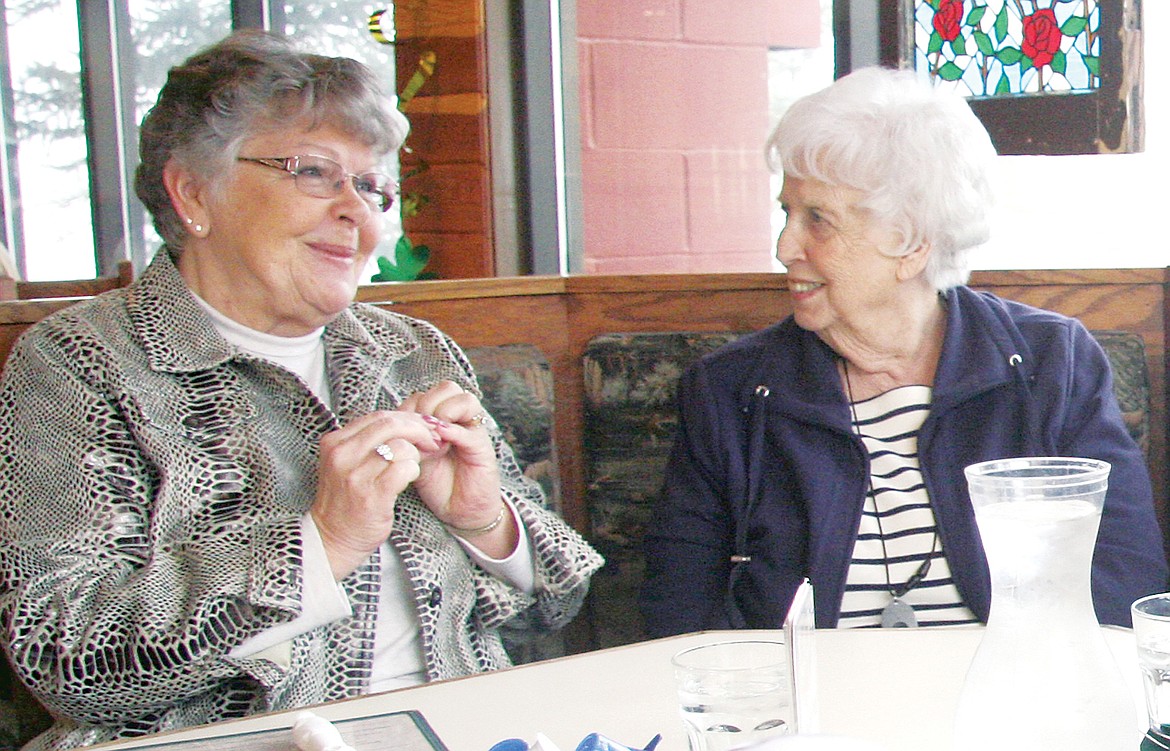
[1036,550]
[1043,676]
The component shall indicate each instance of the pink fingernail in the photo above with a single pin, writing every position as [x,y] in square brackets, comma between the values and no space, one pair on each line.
[432,420]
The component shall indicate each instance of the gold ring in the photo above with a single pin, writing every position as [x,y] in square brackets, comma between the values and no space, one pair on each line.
[384,451]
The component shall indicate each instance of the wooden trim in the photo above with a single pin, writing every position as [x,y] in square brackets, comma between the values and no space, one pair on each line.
[447,104]
[27,312]
[446,289]
[447,18]
[76,287]
[448,142]
[1069,277]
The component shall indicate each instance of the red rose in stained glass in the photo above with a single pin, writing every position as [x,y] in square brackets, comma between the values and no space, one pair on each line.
[1041,37]
[947,19]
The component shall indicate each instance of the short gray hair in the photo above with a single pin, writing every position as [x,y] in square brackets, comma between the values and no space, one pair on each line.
[919,155]
[249,82]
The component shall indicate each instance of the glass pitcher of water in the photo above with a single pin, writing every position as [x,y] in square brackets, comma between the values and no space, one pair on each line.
[1043,676]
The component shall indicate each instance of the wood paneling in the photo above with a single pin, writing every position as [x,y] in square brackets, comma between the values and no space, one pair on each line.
[431,18]
[449,138]
[456,256]
[449,134]
[456,200]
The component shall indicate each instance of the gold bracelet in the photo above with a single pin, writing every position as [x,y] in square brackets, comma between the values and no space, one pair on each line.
[477,531]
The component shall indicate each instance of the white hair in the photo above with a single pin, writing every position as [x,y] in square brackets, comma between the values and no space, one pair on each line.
[918,154]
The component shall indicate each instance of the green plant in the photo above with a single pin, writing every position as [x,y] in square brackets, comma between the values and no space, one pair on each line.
[409,261]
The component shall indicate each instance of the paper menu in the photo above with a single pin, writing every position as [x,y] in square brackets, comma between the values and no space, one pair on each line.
[401,731]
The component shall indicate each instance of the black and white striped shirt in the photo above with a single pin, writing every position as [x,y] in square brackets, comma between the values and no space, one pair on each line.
[897,512]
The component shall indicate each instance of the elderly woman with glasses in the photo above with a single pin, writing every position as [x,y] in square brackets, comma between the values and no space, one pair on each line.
[230,489]
[831,445]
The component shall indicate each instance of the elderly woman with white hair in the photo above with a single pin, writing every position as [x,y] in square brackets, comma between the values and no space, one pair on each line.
[832,445]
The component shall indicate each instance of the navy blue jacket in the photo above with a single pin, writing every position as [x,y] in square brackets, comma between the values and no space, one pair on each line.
[766,466]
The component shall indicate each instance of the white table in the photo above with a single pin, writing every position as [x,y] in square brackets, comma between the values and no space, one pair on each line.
[897,687]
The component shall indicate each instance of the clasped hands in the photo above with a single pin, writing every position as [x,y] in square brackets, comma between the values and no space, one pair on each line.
[436,440]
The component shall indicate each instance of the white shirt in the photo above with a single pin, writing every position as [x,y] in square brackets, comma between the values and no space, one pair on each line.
[897,531]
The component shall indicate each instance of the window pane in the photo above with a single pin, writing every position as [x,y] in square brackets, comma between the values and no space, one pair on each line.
[792,74]
[996,47]
[343,28]
[54,205]
[164,34]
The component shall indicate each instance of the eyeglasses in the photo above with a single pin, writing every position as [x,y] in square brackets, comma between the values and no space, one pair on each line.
[321,177]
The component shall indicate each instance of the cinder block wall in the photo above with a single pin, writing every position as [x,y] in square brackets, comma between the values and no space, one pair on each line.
[674,113]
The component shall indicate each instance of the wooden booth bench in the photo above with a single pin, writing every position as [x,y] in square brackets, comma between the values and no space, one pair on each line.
[580,373]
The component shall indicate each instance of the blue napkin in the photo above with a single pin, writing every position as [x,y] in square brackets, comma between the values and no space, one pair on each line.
[596,742]
[591,742]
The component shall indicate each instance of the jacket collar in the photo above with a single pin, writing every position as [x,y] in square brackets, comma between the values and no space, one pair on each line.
[982,348]
[179,337]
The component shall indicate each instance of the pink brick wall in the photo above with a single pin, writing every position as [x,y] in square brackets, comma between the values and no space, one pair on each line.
[674,113]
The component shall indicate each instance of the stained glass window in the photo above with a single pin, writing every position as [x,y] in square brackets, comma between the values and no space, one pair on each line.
[996,47]
[1044,76]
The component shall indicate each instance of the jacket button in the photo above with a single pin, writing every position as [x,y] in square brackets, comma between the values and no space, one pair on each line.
[436,597]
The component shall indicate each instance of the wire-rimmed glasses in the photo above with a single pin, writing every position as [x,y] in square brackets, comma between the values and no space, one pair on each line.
[321,177]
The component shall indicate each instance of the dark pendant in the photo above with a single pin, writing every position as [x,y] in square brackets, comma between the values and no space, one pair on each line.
[898,615]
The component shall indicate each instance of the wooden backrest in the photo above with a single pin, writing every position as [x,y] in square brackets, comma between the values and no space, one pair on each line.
[22,290]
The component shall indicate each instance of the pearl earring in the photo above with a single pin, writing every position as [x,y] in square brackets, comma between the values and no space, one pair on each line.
[197,227]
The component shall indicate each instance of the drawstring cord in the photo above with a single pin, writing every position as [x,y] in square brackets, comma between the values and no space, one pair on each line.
[755,443]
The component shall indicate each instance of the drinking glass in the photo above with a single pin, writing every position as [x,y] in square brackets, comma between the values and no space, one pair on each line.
[1151,629]
[734,693]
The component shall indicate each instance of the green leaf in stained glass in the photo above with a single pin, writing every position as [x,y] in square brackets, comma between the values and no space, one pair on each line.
[1073,26]
[1009,55]
[1059,62]
[983,42]
[950,72]
[988,49]
[935,44]
[1001,24]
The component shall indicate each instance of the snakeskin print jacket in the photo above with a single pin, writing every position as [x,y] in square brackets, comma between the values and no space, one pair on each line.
[152,483]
